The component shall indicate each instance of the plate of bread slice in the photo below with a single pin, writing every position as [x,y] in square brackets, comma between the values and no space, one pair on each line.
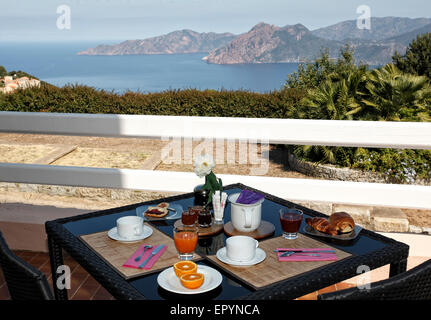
[339,225]
[161,211]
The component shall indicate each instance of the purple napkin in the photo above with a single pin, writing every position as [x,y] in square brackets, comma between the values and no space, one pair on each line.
[249,197]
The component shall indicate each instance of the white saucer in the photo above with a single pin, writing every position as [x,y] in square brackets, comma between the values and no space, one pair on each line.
[170,282]
[115,236]
[259,257]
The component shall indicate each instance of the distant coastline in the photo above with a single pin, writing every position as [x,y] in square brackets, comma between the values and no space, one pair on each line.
[266,43]
[58,64]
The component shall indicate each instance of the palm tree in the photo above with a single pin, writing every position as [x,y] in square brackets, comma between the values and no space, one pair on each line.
[395,96]
[332,100]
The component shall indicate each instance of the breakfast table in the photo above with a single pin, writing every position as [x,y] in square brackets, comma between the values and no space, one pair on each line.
[85,239]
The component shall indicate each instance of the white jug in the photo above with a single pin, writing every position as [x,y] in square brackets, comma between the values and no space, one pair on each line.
[245,217]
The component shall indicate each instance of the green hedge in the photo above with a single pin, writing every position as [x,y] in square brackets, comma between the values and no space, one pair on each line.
[191,102]
[401,166]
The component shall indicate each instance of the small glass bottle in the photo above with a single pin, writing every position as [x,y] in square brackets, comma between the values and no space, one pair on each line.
[200,196]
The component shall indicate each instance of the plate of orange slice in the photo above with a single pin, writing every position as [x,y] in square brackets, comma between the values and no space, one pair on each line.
[187,277]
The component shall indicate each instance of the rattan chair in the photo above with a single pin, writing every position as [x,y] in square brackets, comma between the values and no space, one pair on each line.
[414,284]
[24,281]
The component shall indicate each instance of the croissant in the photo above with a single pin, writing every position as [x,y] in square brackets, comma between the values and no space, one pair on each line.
[342,222]
[322,225]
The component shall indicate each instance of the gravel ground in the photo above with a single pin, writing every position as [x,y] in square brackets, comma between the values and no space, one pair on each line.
[129,153]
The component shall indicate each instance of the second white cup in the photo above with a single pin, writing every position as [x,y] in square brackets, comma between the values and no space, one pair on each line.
[130,226]
[241,248]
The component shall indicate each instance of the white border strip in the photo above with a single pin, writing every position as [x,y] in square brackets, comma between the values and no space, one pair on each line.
[379,134]
[372,194]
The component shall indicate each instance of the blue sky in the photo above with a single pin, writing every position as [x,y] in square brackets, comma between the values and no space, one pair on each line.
[114,20]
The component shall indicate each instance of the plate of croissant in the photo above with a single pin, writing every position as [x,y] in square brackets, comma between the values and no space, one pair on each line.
[339,225]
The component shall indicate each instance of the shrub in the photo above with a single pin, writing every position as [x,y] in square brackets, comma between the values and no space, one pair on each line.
[191,102]
[312,75]
[399,165]
[417,59]
[340,90]
[392,95]
[3,72]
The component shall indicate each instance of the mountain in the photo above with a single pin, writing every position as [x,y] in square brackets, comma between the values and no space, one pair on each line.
[381,28]
[408,37]
[184,41]
[374,52]
[266,43]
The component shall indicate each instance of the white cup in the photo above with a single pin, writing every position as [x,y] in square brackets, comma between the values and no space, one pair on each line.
[241,248]
[130,226]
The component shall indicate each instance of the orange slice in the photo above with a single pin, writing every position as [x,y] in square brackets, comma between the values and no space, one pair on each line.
[192,280]
[185,267]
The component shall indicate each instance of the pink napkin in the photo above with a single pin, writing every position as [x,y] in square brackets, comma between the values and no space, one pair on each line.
[298,257]
[131,263]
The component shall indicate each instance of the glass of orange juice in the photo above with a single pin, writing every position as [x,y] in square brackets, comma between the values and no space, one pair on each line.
[186,239]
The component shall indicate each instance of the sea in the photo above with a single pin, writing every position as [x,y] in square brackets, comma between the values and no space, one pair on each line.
[58,63]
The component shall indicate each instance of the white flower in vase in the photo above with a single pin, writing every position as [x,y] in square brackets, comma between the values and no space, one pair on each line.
[203,166]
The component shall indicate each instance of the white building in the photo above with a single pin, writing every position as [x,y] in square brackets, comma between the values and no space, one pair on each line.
[11,85]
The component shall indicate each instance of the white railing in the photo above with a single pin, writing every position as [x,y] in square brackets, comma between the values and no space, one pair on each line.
[274,131]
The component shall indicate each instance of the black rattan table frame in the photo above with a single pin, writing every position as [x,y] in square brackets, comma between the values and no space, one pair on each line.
[394,253]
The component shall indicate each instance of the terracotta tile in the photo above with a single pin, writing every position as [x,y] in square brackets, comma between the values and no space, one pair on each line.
[91,282]
[72,264]
[50,283]
[75,283]
[344,285]
[415,261]
[85,293]
[328,289]
[24,253]
[102,294]
[372,276]
[27,256]
[39,260]
[46,270]
[19,253]
[310,296]
[83,287]
[4,293]
[79,271]
[2,280]
[77,279]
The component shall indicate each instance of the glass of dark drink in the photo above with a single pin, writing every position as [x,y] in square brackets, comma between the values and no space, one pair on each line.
[290,220]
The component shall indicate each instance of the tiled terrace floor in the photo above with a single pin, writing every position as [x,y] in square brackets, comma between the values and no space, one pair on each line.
[85,287]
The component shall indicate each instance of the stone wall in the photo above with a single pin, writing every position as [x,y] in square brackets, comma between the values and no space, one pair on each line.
[96,194]
[373,218]
[332,172]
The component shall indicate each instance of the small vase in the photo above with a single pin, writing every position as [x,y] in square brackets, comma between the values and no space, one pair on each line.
[201,195]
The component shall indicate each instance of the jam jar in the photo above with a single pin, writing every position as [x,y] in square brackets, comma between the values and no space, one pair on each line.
[205,218]
[189,217]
